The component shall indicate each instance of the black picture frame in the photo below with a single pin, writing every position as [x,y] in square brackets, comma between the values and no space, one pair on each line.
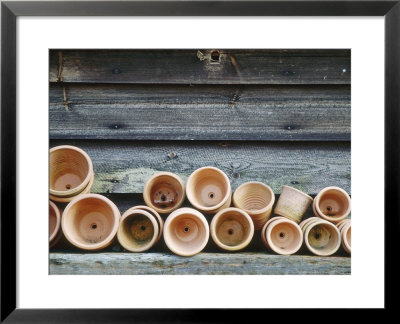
[10,10]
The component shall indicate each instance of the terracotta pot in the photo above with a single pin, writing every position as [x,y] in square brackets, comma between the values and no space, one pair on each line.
[332,204]
[264,228]
[345,232]
[157,217]
[283,236]
[138,230]
[321,237]
[209,190]
[342,223]
[292,204]
[70,170]
[68,199]
[232,229]
[186,231]
[164,192]
[54,224]
[306,221]
[256,199]
[90,221]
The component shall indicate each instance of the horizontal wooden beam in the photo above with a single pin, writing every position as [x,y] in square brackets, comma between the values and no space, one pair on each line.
[124,166]
[202,66]
[200,112]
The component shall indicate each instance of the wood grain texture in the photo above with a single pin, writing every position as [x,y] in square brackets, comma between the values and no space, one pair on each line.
[204,263]
[124,166]
[199,67]
[205,112]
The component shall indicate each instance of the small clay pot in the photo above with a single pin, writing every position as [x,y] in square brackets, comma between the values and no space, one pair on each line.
[321,237]
[256,199]
[157,217]
[138,230]
[344,228]
[164,192]
[209,190]
[70,170]
[292,204]
[283,236]
[232,229]
[90,221]
[54,224]
[186,231]
[332,204]
[306,221]
[264,228]
[68,199]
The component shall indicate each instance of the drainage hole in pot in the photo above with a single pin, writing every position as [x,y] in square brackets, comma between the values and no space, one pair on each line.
[186,229]
[211,195]
[143,228]
[281,234]
[317,236]
[230,231]
[93,226]
[68,186]
[163,197]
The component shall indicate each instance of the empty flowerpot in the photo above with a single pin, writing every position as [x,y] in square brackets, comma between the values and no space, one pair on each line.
[70,170]
[344,228]
[157,217]
[69,198]
[332,204]
[90,221]
[138,230]
[264,228]
[164,192]
[321,237]
[55,232]
[232,229]
[283,236]
[209,190]
[186,231]
[292,204]
[256,199]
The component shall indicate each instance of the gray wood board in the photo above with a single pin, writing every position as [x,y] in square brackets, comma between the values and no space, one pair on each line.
[197,66]
[203,263]
[124,166]
[201,112]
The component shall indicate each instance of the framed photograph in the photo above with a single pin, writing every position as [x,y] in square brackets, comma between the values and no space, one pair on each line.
[192,143]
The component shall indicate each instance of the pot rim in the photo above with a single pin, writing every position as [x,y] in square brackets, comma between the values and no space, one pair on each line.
[130,212]
[346,244]
[58,222]
[68,199]
[230,247]
[104,243]
[316,252]
[84,183]
[272,246]
[258,211]
[146,189]
[194,213]
[331,218]
[157,215]
[263,237]
[223,201]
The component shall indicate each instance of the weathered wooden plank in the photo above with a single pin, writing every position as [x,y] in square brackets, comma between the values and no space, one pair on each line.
[206,66]
[124,166]
[200,112]
[54,61]
[246,263]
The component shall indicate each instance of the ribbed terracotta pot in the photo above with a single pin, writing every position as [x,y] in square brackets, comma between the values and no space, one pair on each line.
[209,190]
[90,221]
[55,232]
[232,229]
[332,204]
[138,230]
[68,199]
[321,237]
[164,192]
[256,199]
[283,236]
[292,203]
[186,231]
[156,216]
[70,170]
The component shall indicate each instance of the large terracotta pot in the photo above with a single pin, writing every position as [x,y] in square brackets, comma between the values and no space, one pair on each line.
[332,204]
[164,192]
[90,221]
[209,190]
[138,230]
[292,204]
[70,170]
[256,199]
[232,229]
[186,231]
[55,232]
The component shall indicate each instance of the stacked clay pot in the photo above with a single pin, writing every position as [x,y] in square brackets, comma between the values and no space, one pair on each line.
[71,173]
[332,204]
[344,227]
[55,231]
[282,235]
[320,236]
[256,199]
[140,228]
